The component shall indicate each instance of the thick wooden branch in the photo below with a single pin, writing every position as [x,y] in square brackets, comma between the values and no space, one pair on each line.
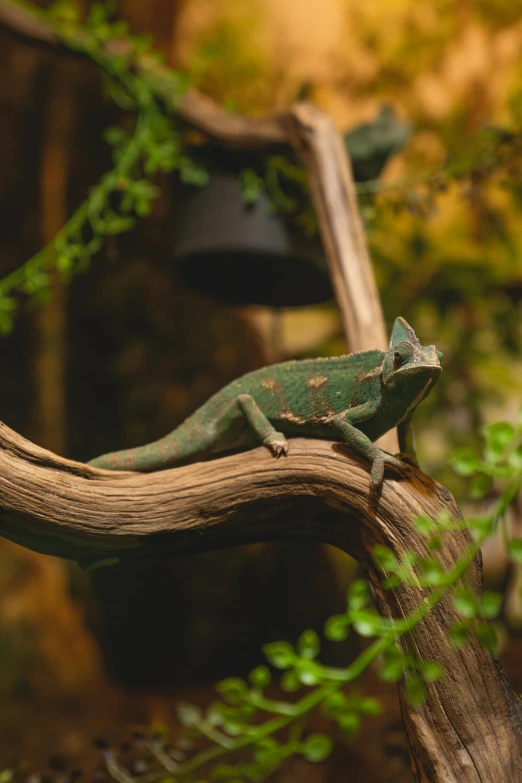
[321,147]
[469,729]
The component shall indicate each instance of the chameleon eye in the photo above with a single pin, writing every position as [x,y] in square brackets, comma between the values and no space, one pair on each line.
[401,355]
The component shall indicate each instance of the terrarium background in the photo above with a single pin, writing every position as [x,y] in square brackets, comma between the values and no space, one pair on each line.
[124,353]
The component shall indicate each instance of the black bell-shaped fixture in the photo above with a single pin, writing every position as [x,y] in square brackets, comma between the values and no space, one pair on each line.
[243,253]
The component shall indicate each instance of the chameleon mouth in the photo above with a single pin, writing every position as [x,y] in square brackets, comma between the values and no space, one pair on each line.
[417,369]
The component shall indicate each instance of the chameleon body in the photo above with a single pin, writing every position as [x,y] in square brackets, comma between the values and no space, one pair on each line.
[354,398]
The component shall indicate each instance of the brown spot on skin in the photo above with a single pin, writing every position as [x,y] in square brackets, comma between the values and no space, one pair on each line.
[165,450]
[287,415]
[316,381]
[269,383]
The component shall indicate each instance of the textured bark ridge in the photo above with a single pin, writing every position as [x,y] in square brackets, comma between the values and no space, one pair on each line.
[470,727]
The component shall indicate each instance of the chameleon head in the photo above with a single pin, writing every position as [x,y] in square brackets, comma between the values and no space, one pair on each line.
[409,363]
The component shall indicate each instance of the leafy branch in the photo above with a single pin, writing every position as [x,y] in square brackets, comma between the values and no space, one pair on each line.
[124,193]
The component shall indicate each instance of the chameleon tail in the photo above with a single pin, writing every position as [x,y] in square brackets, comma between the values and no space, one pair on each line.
[175,447]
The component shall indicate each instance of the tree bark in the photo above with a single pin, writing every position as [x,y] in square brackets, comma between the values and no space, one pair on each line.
[468,731]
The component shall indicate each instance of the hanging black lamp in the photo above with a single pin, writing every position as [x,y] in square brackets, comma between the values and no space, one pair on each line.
[243,253]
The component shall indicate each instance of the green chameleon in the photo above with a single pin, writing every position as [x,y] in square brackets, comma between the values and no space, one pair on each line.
[356,398]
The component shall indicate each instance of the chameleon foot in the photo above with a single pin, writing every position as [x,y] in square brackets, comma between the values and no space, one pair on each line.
[278,444]
[408,459]
[381,459]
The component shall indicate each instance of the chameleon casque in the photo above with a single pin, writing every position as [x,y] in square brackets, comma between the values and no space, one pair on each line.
[354,398]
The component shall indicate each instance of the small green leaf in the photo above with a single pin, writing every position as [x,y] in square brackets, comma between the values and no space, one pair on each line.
[316,747]
[8,307]
[391,582]
[335,704]
[349,723]
[393,665]
[392,671]
[116,224]
[490,604]
[459,633]
[425,524]
[215,714]
[6,776]
[308,644]
[252,185]
[465,461]
[515,549]
[358,594]
[498,437]
[465,603]
[280,654]
[233,726]
[435,543]
[233,689]
[370,706]
[483,525]
[189,714]
[431,571]
[192,173]
[431,670]
[260,677]
[290,682]
[366,623]
[415,690]
[308,673]
[115,136]
[480,486]
[267,751]
[337,627]
[487,636]
[385,558]
[515,458]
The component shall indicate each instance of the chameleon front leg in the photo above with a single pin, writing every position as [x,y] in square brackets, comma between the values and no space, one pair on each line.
[407,443]
[258,422]
[345,423]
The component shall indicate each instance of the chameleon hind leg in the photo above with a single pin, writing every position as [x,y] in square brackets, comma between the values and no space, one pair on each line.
[245,408]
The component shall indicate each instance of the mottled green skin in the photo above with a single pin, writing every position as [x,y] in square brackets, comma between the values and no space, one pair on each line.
[356,398]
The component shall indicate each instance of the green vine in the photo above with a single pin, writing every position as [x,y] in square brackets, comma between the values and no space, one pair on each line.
[125,193]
